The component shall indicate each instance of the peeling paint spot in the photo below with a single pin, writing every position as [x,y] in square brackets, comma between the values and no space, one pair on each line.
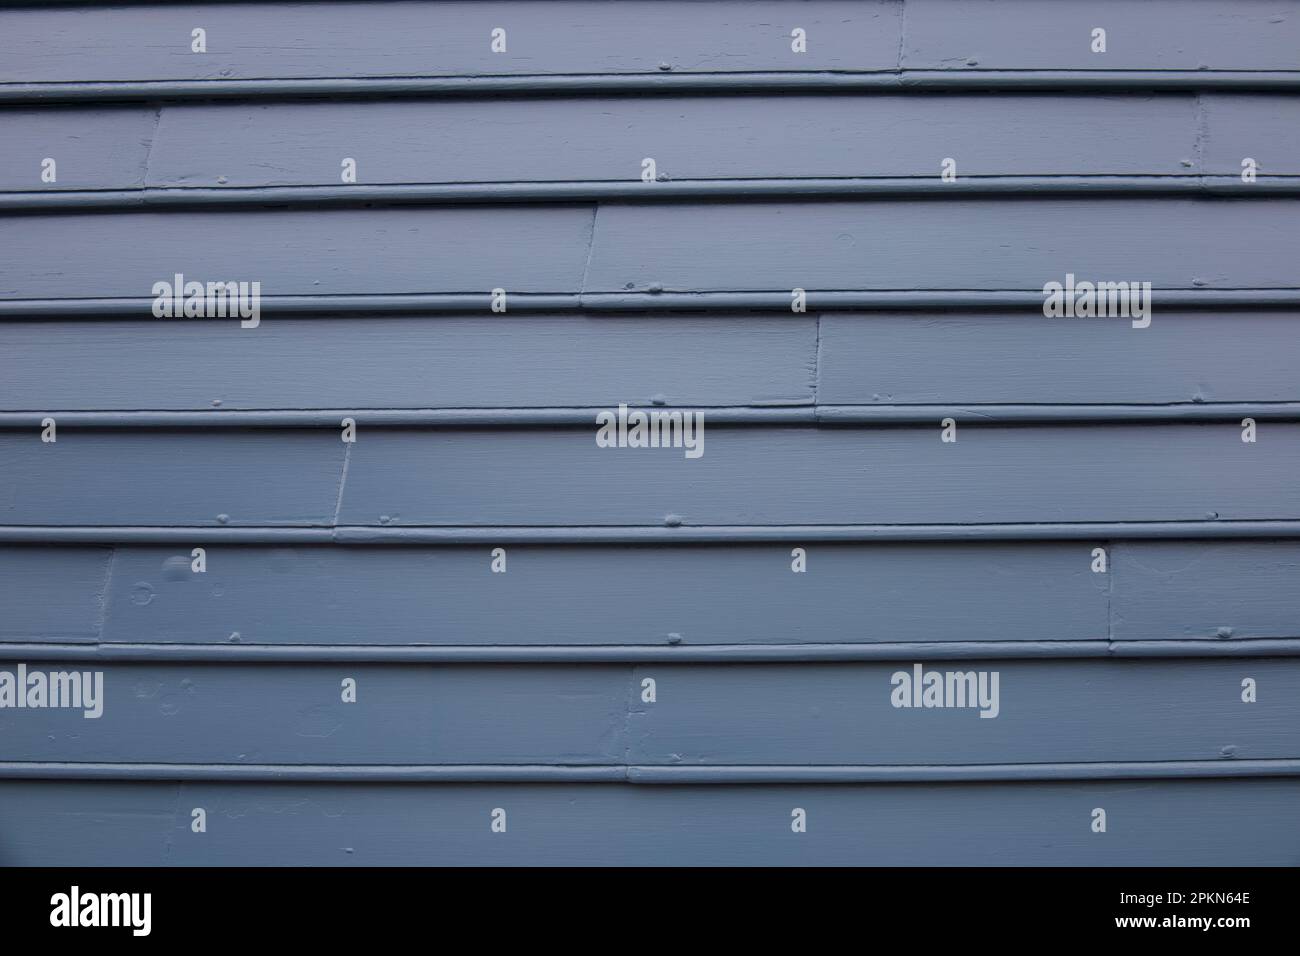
[145,689]
[176,568]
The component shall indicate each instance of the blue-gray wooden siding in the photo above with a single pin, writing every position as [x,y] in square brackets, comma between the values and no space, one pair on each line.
[523,691]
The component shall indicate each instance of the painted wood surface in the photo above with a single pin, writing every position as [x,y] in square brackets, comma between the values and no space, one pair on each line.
[733,594]
[1119,689]
[446,39]
[845,713]
[401,39]
[281,478]
[606,138]
[697,137]
[746,476]
[1188,823]
[295,714]
[1173,243]
[92,148]
[821,476]
[603,138]
[457,361]
[541,361]
[1207,589]
[932,358]
[53,595]
[445,249]
[1262,127]
[732,714]
[963,244]
[729,594]
[1045,35]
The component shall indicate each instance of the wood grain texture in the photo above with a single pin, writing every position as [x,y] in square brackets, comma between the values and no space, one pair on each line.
[734,594]
[826,476]
[1188,823]
[443,39]
[922,358]
[1264,128]
[459,361]
[689,137]
[1206,589]
[1046,35]
[57,593]
[92,148]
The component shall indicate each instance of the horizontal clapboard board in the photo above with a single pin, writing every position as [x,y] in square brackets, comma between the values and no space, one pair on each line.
[741,594]
[457,361]
[1173,244]
[1027,712]
[1206,589]
[92,149]
[445,39]
[455,39]
[707,137]
[540,360]
[984,712]
[72,585]
[619,247]
[373,251]
[605,139]
[732,594]
[745,476]
[762,139]
[1179,822]
[295,714]
[1047,35]
[1262,127]
[281,478]
[926,359]
[819,476]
